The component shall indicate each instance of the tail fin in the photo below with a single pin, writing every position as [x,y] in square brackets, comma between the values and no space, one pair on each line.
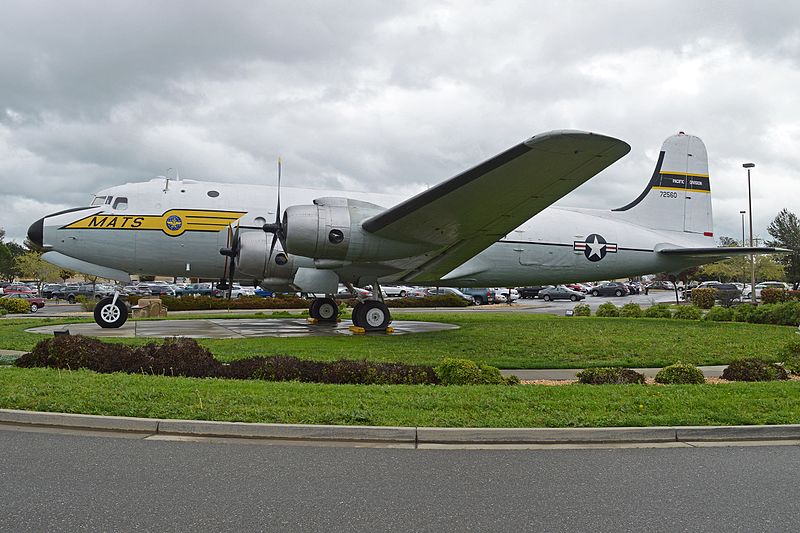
[678,196]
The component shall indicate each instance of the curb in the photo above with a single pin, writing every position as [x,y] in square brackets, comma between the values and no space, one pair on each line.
[400,435]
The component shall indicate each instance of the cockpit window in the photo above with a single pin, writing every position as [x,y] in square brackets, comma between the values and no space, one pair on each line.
[121,203]
[99,200]
[108,199]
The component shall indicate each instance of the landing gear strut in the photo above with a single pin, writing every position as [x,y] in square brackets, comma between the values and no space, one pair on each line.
[324,310]
[372,315]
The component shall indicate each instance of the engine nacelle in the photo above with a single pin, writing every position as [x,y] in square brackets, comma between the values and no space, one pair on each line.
[331,229]
[254,261]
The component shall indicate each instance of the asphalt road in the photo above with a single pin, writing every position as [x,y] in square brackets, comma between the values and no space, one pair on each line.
[53,481]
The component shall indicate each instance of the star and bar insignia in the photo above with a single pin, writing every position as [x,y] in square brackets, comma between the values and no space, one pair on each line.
[594,247]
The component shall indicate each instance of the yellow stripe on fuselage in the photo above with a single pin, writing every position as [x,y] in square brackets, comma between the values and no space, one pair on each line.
[173,222]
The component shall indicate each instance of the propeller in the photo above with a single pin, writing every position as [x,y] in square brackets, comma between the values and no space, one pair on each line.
[231,253]
[278,228]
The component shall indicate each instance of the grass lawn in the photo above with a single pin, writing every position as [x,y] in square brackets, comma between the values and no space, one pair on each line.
[506,340]
[469,406]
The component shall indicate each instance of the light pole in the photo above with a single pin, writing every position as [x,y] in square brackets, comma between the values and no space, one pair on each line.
[748,166]
[744,273]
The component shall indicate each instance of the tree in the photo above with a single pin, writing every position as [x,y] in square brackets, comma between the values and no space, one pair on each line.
[737,268]
[8,270]
[65,274]
[785,229]
[31,265]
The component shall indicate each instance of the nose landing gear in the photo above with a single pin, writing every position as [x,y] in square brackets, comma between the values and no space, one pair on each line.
[111,312]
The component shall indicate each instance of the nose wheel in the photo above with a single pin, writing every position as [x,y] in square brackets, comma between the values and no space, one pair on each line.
[111,312]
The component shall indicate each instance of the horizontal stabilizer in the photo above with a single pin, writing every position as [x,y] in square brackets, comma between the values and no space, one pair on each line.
[722,252]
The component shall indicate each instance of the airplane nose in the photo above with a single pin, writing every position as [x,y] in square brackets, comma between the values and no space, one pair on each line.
[36,233]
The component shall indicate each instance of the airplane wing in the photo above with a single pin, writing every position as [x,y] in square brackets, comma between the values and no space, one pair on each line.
[722,252]
[465,214]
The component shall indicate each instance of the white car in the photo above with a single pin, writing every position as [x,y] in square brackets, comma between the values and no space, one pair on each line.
[237,291]
[401,291]
[502,294]
[748,289]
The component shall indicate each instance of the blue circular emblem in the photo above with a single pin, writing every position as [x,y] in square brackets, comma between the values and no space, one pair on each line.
[174,222]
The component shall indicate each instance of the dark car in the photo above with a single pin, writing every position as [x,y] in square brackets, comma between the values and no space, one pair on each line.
[560,293]
[610,289]
[35,302]
[529,292]
[481,295]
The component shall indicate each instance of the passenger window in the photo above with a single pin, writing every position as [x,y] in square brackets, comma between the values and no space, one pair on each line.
[98,200]
[121,203]
[213,194]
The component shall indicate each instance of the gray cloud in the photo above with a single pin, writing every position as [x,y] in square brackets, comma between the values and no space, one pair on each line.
[369,95]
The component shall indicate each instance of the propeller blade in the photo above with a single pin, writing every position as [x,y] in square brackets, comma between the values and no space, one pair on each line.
[278,210]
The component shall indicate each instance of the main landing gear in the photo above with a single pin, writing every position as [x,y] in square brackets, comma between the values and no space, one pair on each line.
[373,314]
[324,310]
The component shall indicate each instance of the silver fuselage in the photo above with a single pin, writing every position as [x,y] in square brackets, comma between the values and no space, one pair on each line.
[549,248]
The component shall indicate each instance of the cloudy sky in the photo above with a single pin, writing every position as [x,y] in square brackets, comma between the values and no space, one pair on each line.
[389,95]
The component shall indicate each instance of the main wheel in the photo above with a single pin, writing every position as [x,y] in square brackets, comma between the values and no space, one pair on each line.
[546,298]
[354,315]
[108,314]
[373,315]
[324,309]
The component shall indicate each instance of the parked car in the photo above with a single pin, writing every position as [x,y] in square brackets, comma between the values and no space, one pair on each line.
[612,288]
[35,302]
[264,293]
[87,290]
[560,293]
[659,286]
[49,288]
[529,292]
[237,291]
[480,295]
[748,289]
[202,289]
[392,291]
[506,293]
[18,288]
[437,291]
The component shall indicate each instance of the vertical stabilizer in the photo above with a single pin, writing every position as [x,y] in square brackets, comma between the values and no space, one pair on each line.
[678,196]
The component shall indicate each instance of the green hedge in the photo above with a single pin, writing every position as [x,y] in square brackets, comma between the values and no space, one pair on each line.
[15,305]
[704,298]
[680,374]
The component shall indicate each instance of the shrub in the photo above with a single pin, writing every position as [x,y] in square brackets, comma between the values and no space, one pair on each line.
[607,310]
[680,373]
[704,298]
[582,310]
[85,303]
[15,305]
[658,311]
[184,357]
[631,310]
[773,295]
[467,372]
[720,314]
[3,311]
[744,312]
[688,312]
[793,295]
[609,376]
[790,355]
[753,369]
